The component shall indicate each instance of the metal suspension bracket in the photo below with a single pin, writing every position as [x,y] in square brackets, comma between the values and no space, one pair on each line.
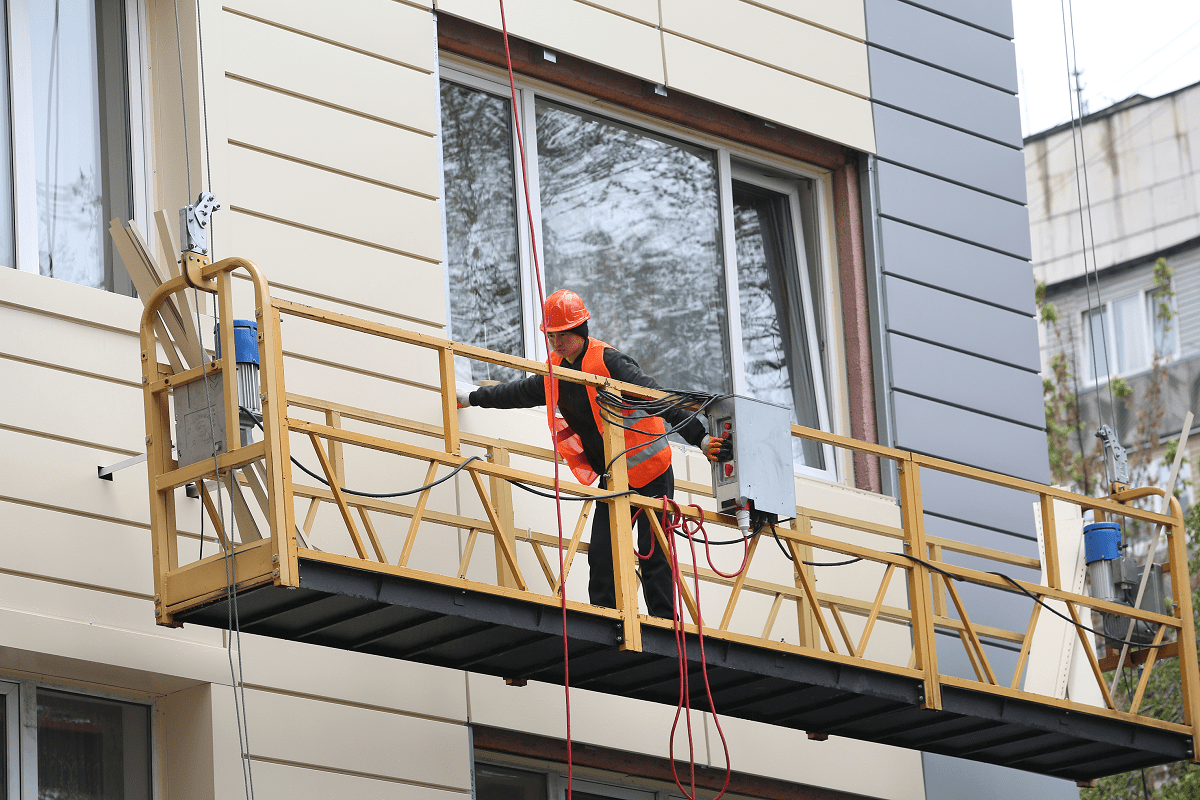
[193,223]
[1114,457]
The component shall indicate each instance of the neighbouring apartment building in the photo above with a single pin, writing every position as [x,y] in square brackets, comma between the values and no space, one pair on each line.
[816,203]
[1132,166]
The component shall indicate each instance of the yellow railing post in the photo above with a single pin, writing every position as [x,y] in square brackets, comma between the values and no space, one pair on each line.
[503,503]
[919,590]
[622,536]
[1181,589]
[449,398]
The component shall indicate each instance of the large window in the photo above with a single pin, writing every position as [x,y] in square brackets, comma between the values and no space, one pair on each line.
[692,258]
[73,746]
[1128,334]
[68,138]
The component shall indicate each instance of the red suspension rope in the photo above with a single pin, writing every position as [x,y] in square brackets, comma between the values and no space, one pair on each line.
[552,400]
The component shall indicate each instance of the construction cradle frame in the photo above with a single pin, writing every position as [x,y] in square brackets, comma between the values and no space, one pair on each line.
[365,600]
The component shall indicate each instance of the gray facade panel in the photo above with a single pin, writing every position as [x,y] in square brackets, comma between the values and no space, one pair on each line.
[984,537]
[943,42]
[928,257]
[982,505]
[954,210]
[949,153]
[954,377]
[937,94]
[963,324]
[964,436]
[994,15]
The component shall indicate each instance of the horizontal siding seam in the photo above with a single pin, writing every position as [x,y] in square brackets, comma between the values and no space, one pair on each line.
[354,704]
[963,295]
[770,66]
[71,370]
[233,76]
[323,40]
[798,18]
[41,312]
[361,306]
[68,440]
[359,370]
[334,234]
[970,186]
[943,122]
[972,353]
[93,587]
[971,409]
[324,168]
[75,512]
[356,774]
[972,242]
[957,19]
[942,68]
[616,13]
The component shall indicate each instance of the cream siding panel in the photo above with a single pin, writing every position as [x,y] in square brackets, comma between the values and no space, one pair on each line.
[328,74]
[773,39]
[184,743]
[843,16]
[288,782]
[76,304]
[67,547]
[582,30]
[768,93]
[359,740]
[384,28]
[409,288]
[326,201]
[333,139]
[644,10]
[384,683]
[104,414]
[96,351]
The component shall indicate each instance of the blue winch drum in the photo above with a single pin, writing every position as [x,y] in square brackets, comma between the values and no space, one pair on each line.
[245,341]
[1101,540]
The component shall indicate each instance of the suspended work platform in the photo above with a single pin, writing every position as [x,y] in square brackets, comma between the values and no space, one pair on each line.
[413,578]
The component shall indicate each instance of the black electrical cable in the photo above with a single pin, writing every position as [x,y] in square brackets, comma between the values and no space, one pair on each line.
[1028,594]
[784,550]
[375,495]
[662,435]
[531,490]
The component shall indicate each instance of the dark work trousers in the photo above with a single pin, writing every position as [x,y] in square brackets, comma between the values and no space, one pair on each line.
[656,571]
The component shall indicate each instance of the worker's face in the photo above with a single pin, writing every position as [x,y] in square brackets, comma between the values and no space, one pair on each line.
[567,345]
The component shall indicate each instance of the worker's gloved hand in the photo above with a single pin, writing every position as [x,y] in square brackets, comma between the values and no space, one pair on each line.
[717,448]
[464,394]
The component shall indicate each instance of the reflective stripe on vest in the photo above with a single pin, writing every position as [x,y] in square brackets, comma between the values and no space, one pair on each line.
[649,456]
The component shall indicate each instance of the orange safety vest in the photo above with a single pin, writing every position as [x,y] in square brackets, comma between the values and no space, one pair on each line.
[645,462]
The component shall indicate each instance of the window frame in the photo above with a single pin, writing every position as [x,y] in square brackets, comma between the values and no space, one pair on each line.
[21,754]
[734,163]
[20,80]
[1143,298]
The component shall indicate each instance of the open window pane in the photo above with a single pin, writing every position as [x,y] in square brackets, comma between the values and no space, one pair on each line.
[1130,334]
[775,347]
[92,749]
[481,227]
[81,137]
[631,222]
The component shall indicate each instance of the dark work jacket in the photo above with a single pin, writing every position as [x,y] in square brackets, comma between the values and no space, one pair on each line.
[574,406]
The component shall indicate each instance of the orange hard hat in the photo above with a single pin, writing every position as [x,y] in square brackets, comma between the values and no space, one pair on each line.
[564,310]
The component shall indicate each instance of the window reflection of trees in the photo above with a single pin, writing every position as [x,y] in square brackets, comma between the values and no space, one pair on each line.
[481,227]
[631,222]
[774,338]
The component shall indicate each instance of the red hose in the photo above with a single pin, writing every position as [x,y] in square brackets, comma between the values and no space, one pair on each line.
[552,401]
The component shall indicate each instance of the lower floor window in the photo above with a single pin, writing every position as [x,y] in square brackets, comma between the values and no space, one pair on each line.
[84,747]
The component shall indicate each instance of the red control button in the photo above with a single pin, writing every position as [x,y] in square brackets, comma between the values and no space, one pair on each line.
[728,426]
[728,470]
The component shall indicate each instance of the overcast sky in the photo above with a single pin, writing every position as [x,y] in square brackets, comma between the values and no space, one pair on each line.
[1149,47]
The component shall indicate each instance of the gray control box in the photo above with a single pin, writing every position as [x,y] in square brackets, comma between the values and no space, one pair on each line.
[760,471]
[193,431]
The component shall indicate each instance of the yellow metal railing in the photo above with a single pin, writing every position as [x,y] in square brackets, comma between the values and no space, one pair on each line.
[904,585]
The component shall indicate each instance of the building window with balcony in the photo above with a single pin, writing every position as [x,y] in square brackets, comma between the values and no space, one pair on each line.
[1125,336]
[691,257]
[69,137]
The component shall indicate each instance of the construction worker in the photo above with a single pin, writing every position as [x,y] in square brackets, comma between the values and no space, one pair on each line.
[565,321]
